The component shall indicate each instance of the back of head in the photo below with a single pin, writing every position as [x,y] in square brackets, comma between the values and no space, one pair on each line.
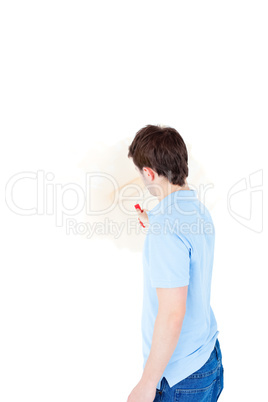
[162,149]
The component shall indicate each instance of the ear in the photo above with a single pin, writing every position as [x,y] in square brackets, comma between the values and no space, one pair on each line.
[149,172]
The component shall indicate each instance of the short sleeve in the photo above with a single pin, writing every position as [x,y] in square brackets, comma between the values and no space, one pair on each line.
[169,261]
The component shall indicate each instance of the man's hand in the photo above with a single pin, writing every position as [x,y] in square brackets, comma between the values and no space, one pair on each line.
[142,216]
[143,392]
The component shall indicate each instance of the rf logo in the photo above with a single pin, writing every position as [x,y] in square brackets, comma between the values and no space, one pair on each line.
[247,193]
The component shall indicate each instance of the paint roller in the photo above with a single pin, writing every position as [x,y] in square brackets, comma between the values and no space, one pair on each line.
[137,206]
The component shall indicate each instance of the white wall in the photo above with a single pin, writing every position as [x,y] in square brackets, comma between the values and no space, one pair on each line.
[78,80]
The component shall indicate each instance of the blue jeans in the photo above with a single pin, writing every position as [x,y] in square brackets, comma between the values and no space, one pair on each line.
[204,385]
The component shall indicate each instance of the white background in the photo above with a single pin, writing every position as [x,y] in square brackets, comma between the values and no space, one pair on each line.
[77,73]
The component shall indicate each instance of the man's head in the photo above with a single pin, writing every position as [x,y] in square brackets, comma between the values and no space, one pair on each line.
[160,156]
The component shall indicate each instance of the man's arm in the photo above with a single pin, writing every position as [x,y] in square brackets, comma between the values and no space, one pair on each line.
[167,328]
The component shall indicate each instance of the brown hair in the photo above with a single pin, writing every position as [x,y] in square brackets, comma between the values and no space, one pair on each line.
[162,149]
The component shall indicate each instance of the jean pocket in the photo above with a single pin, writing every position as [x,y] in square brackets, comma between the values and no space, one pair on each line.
[197,394]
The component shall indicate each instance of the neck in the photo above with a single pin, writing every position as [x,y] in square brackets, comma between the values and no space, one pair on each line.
[169,188]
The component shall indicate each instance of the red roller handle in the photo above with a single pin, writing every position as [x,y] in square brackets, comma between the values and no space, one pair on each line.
[137,206]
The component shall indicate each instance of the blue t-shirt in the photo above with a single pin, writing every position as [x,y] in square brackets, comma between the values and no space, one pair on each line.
[178,251]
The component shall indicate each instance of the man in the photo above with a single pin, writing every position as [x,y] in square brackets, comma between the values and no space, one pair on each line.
[182,355]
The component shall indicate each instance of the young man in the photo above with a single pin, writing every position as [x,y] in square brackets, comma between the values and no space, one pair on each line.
[181,350]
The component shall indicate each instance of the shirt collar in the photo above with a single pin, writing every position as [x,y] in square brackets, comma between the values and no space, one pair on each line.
[175,196]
